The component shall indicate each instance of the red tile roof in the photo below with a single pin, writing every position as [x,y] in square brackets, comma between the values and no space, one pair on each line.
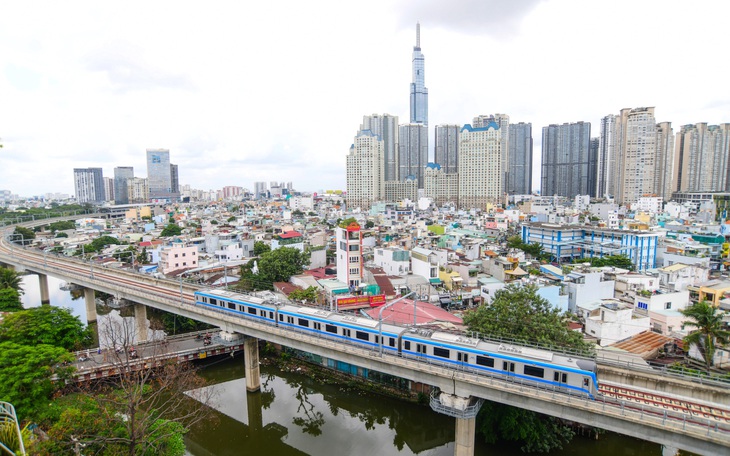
[290,234]
[402,313]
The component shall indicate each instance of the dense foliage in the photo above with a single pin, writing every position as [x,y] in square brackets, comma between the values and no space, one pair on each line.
[534,249]
[23,235]
[62,225]
[171,230]
[45,325]
[10,300]
[617,261]
[709,329]
[260,248]
[309,295]
[99,244]
[274,266]
[519,313]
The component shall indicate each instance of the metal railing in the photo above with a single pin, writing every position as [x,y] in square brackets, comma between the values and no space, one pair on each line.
[9,418]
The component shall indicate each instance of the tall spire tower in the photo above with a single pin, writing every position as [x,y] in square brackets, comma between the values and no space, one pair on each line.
[419,92]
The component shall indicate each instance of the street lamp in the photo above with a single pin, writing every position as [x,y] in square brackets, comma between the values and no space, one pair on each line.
[380,320]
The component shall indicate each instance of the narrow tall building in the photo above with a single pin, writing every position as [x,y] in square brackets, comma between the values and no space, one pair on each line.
[701,158]
[412,151]
[502,121]
[386,127]
[89,185]
[664,168]
[519,173]
[607,166]
[446,148]
[365,183]
[419,92]
[162,187]
[593,153]
[480,166]
[121,174]
[108,189]
[565,159]
[635,162]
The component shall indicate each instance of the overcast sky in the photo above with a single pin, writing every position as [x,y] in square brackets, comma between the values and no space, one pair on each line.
[275,91]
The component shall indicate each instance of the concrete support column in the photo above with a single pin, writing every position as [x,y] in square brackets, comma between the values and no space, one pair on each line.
[45,295]
[669,451]
[90,299]
[465,430]
[251,358]
[140,321]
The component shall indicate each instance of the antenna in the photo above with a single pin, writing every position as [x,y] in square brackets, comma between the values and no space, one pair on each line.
[418,34]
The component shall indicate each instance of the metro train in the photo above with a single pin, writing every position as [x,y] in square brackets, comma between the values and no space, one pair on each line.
[538,367]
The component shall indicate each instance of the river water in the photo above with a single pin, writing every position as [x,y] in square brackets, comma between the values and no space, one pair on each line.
[294,415]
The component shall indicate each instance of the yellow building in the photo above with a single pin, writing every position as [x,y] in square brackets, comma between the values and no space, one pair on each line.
[712,291]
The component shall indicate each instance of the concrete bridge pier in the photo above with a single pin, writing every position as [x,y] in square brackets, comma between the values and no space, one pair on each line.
[45,295]
[669,450]
[140,321]
[90,300]
[251,358]
[465,433]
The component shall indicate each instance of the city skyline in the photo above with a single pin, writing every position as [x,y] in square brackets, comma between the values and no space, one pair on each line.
[91,90]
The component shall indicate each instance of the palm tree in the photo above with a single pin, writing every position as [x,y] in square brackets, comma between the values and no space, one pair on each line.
[709,329]
[10,279]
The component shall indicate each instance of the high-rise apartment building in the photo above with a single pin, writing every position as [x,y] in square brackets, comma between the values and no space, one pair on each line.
[260,190]
[419,92]
[89,185]
[446,150]
[365,183]
[412,151]
[635,162]
[108,189]
[440,186]
[121,174]
[565,157]
[480,166]
[160,176]
[519,173]
[174,179]
[606,158]
[664,168]
[138,191]
[502,120]
[701,158]
[386,127]
[593,154]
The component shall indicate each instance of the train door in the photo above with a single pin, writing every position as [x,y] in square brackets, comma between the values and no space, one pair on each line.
[561,378]
[463,358]
[508,367]
[421,349]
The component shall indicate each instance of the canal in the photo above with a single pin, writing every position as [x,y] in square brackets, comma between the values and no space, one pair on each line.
[294,415]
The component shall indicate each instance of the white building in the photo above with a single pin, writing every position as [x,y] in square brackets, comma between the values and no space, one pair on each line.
[613,321]
[584,287]
[393,261]
[425,263]
[678,276]
[650,204]
[229,251]
[365,170]
[349,255]
[663,309]
[302,203]
[480,166]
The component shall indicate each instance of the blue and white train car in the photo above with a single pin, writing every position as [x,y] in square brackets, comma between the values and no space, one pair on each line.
[243,305]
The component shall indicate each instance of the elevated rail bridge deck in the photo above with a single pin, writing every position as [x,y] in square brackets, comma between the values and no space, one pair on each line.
[616,409]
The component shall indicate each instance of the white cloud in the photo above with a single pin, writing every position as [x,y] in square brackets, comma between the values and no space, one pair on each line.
[242,92]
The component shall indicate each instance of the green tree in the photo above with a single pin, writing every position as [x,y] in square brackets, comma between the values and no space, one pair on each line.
[297,213]
[260,248]
[11,279]
[709,332]
[310,294]
[25,375]
[62,225]
[369,224]
[617,261]
[23,235]
[10,300]
[519,313]
[61,234]
[171,230]
[515,242]
[48,325]
[142,257]
[273,266]
[232,218]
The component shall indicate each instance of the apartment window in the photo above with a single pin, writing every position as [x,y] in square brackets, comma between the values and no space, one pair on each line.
[183,254]
[667,305]
[176,255]
[354,271]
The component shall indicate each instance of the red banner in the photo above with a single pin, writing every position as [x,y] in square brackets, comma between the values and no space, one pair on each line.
[356,302]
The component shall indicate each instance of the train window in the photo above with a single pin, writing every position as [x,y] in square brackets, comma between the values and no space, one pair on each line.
[271,315]
[560,377]
[317,326]
[362,335]
[330,328]
[407,345]
[485,361]
[304,322]
[232,306]
[346,332]
[204,299]
[506,366]
[281,318]
[391,342]
[534,371]
[213,301]
[442,352]
[252,310]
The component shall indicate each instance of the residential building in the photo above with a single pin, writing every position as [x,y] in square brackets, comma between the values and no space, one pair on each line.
[401,190]
[419,92]
[446,148]
[584,286]
[260,190]
[162,177]
[349,254]
[426,263]
[701,158]
[108,189]
[138,190]
[178,258]
[635,164]
[291,239]
[678,276]
[412,151]
[593,154]
[501,120]
[440,186]
[365,184]
[480,166]
[565,160]
[121,174]
[519,172]
[89,185]
[385,127]
[663,310]
[613,321]
[664,183]
[393,261]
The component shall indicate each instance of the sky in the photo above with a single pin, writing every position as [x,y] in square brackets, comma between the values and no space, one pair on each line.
[242,92]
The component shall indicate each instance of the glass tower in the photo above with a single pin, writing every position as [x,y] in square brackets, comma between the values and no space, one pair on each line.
[419,92]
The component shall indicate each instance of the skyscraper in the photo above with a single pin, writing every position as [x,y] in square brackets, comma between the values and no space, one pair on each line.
[365,184]
[260,190]
[635,162]
[480,166]
[419,92]
[702,157]
[89,185]
[664,173]
[502,121]
[593,153]
[412,151]
[386,127]
[121,174]
[605,183]
[446,153]
[519,173]
[565,156]
[160,176]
